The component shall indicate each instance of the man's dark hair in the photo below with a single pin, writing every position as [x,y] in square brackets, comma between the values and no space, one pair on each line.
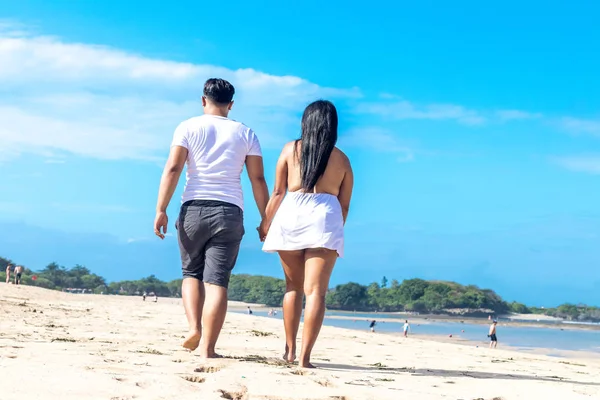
[219,91]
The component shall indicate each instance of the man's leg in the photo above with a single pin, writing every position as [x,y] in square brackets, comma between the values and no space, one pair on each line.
[191,235]
[213,318]
[227,228]
[192,293]
[293,268]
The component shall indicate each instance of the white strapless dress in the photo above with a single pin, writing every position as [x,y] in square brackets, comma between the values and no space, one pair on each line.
[307,221]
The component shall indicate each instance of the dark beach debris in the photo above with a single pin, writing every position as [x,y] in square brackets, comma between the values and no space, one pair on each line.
[571,363]
[68,340]
[261,333]
[150,351]
[208,369]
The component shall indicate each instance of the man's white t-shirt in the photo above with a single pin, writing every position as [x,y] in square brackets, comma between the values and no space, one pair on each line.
[217,149]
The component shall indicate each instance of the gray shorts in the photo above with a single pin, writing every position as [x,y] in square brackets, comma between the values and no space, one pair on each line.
[209,234]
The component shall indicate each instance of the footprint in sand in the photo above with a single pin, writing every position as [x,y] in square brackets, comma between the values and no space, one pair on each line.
[300,372]
[324,383]
[238,395]
[208,370]
[194,379]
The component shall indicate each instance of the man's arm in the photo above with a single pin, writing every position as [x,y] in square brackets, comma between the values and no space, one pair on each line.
[168,183]
[256,173]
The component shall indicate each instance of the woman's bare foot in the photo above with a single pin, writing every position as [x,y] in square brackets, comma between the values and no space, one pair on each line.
[306,365]
[209,354]
[289,356]
[305,362]
[192,341]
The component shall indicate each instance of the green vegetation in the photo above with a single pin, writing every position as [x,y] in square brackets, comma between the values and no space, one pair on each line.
[571,312]
[414,295]
[57,277]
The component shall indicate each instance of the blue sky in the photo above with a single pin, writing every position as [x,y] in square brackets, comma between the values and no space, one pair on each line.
[474,131]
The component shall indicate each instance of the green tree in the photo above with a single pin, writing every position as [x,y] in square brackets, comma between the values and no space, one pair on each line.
[412,289]
[384,282]
[349,296]
[519,308]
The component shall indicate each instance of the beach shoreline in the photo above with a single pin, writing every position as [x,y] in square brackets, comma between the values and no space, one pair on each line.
[524,320]
[455,337]
[549,322]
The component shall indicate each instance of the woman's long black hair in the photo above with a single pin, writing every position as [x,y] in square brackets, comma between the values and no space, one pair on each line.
[319,136]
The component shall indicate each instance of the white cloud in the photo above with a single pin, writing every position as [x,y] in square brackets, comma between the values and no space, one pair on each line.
[589,164]
[377,139]
[587,126]
[510,115]
[102,102]
[407,110]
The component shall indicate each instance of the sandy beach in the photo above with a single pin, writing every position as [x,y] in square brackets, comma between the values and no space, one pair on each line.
[55,345]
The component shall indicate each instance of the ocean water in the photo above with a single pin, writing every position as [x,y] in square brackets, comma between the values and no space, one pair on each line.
[550,337]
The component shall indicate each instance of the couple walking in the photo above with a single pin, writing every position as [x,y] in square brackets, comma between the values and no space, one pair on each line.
[303,220]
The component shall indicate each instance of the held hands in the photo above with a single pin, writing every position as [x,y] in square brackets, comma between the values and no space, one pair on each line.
[161,221]
[263,229]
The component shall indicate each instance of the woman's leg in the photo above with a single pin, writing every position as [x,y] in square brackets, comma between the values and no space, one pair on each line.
[318,264]
[293,267]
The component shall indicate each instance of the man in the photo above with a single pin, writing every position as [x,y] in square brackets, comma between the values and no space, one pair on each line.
[8,273]
[18,273]
[406,328]
[492,335]
[210,225]
[372,325]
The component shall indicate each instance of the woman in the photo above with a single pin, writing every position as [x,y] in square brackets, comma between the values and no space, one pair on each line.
[306,227]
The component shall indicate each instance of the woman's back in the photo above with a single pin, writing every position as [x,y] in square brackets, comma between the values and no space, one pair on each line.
[330,182]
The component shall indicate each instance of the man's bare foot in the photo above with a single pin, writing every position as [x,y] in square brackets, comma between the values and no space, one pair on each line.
[289,356]
[192,340]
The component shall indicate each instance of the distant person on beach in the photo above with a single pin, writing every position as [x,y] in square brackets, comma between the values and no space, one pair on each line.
[492,335]
[18,274]
[372,325]
[210,225]
[8,273]
[305,222]
[155,298]
[249,311]
[406,328]
[144,296]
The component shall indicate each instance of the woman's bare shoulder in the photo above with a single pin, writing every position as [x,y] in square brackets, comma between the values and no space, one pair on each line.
[342,157]
[288,148]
